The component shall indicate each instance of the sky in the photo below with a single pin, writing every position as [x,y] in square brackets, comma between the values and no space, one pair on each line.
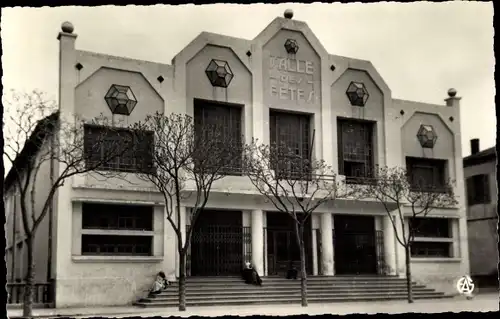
[421,49]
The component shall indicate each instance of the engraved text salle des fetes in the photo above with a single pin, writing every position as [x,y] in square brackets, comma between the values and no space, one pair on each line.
[291,79]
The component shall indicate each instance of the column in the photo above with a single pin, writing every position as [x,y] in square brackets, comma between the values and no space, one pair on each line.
[182,228]
[257,240]
[400,250]
[390,243]
[327,244]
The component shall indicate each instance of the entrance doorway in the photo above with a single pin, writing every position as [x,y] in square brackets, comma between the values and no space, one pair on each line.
[355,245]
[282,246]
[217,244]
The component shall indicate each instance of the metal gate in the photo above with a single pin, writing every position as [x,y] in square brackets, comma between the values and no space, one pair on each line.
[358,252]
[219,250]
[283,251]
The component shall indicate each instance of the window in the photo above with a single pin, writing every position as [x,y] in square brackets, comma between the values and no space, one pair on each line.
[291,133]
[227,120]
[433,237]
[355,143]
[426,174]
[430,249]
[478,190]
[116,245]
[109,229]
[118,149]
[431,227]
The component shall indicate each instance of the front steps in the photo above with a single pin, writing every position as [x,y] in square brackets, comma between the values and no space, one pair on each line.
[218,291]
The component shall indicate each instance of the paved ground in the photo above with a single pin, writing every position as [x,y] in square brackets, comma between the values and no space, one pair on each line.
[481,303]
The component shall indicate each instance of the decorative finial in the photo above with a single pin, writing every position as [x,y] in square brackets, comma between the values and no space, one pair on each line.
[67,27]
[452,92]
[288,14]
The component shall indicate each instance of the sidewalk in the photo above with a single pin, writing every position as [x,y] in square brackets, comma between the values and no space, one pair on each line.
[484,302]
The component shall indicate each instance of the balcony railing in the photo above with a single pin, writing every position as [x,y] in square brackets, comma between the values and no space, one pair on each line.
[42,294]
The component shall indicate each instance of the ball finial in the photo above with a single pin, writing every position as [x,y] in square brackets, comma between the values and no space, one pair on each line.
[288,14]
[67,27]
[452,92]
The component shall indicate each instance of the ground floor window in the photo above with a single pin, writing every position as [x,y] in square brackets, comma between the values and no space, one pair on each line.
[110,229]
[433,237]
[431,249]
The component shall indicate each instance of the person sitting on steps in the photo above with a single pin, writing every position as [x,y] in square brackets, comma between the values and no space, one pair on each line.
[159,284]
[250,275]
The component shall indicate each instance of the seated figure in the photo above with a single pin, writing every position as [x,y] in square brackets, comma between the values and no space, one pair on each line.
[250,275]
[159,284]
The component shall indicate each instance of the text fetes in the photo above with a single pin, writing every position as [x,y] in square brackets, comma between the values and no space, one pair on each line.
[291,79]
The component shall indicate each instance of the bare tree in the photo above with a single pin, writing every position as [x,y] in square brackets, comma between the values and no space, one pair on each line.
[295,185]
[399,193]
[187,160]
[36,136]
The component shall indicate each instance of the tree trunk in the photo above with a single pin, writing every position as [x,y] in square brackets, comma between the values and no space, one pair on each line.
[182,282]
[29,281]
[303,276]
[408,274]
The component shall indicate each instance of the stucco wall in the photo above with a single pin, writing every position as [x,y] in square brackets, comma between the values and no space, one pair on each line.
[41,178]
[444,147]
[483,234]
[372,111]
[114,281]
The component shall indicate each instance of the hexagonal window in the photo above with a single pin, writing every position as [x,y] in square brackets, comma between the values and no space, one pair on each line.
[120,99]
[219,73]
[357,94]
[291,46]
[427,136]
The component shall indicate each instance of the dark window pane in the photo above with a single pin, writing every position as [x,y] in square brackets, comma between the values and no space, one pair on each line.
[110,216]
[355,143]
[117,245]
[213,120]
[430,249]
[431,227]
[478,189]
[290,137]
[118,149]
[426,174]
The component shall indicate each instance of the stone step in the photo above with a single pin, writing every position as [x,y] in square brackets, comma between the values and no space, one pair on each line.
[242,285]
[309,278]
[286,293]
[264,289]
[288,300]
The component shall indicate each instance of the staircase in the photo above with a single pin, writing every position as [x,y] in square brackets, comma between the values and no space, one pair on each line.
[218,291]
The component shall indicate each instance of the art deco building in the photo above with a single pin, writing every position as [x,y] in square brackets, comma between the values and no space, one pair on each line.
[109,238]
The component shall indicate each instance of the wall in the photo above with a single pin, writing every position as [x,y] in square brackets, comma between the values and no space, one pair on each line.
[41,178]
[483,235]
[292,82]
[82,92]
[443,149]
[372,111]
[103,281]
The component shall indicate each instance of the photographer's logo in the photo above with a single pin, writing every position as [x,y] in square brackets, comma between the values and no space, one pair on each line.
[465,285]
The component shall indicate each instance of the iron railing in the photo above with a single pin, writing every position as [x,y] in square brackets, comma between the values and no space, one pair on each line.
[319,251]
[42,293]
[367,243]
[219,250]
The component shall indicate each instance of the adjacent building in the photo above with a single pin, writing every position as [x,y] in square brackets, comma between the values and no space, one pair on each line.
[108,238]
[482,215]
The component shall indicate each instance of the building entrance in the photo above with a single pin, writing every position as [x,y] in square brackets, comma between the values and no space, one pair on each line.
[217,244]
[282,246]
[355,245]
